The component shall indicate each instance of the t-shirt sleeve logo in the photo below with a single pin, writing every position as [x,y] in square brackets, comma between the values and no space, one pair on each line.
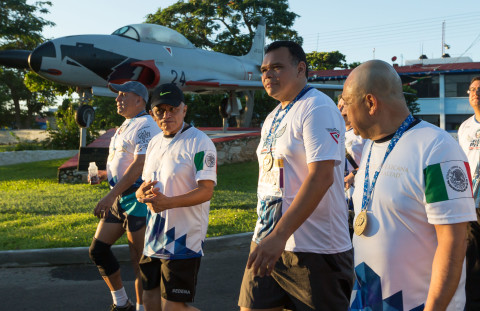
[202,159]
[210,159]
[457,179]
[447,181]
[334,133]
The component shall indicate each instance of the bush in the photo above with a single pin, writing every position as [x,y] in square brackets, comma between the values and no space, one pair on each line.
[66,135]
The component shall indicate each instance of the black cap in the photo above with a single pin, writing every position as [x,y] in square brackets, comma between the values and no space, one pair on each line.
[168,94]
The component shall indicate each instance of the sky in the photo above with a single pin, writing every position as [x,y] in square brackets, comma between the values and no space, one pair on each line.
[361,30]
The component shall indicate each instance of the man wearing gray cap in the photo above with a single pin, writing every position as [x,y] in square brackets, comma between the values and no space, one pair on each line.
[119,211]
[179,174]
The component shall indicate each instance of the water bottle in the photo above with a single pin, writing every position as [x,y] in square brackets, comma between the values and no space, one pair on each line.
[93,174]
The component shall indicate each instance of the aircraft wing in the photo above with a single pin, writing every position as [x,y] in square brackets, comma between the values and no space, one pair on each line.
[215,86]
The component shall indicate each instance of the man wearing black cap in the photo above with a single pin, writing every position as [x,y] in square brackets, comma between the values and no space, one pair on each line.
[179,174]
[119,210]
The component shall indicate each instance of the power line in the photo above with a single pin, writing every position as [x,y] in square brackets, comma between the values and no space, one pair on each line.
[408,32]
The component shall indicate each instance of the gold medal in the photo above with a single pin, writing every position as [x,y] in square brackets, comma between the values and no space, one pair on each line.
[360,223]
[267,162]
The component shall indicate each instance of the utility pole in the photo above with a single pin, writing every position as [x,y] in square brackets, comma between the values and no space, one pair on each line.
[443,38]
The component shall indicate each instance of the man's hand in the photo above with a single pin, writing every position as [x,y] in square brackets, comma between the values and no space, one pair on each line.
[158,202]
[349,180]
[102,175]
[263,258]
[145,190]
[104,205]
[155,200]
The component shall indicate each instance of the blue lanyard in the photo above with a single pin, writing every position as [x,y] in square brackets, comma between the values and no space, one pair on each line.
[276,123]
[368,192]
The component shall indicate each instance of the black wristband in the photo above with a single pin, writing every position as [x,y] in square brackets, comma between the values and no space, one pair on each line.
[354,172]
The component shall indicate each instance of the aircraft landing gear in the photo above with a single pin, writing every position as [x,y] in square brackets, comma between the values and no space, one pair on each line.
[85,114]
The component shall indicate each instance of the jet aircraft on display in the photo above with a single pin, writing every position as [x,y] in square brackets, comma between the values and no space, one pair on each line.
[151,54]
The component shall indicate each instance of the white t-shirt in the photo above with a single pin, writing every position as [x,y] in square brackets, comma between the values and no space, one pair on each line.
[469,139]
[354,146]
[313,130]
[130,139]
[178,164]
[424,182]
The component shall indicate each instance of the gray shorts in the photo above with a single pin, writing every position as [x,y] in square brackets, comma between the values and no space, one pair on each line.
[301,281]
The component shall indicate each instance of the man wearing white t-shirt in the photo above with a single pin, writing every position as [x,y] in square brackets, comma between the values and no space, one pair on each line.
[412,200]
[469,139]
[179,174]
[301,255]
[119,211]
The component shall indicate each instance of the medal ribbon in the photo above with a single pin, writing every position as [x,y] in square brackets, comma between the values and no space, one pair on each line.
[276,123]
[368,191]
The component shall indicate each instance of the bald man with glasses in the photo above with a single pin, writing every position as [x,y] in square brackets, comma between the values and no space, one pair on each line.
[469,139]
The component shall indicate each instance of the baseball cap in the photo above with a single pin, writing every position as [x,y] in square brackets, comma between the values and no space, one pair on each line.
[168,94]
[130,86]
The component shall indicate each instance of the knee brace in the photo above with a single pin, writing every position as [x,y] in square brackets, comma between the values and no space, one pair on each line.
[102,255]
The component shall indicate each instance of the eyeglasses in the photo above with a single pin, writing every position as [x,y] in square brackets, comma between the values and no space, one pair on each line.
[473,90]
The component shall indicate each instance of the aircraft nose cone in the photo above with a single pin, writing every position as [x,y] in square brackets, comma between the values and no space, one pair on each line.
[45,50]
[14,58]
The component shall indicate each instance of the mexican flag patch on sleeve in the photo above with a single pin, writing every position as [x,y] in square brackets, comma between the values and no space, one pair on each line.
[447,181]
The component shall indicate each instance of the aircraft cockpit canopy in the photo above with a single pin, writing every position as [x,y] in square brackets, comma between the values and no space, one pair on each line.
[151,33]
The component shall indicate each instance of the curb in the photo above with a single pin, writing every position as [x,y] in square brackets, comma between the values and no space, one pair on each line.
[79,255]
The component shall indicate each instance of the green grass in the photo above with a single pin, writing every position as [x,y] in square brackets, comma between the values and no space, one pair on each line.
[37,212]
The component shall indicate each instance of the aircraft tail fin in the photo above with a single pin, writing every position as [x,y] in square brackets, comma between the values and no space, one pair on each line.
[256,52]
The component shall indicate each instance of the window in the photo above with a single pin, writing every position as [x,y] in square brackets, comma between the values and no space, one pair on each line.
[426,86]
[456,85]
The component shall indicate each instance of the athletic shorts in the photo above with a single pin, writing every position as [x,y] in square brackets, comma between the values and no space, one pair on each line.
[472,285]
[301,281]
[177,278]
[118,215]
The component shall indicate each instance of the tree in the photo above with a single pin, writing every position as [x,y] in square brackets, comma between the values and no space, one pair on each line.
[325,60]
[21,28]
[228,27]
[411,99]
[328,61]
[218,24]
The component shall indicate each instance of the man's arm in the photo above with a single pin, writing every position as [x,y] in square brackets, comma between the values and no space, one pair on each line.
[447,265]
[158,202]
[131,175]
[319,179]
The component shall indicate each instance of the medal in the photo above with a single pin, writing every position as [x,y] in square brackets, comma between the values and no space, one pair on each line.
[267,162]
[360,223]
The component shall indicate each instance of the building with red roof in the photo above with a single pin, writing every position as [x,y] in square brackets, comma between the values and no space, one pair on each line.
[441,86]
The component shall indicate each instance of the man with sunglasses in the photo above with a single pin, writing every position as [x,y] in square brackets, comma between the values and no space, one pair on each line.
[469,139]
[179,174]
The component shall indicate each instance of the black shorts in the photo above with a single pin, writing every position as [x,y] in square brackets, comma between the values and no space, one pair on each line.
[301,281]
[177,278]
[117,215]
[472,285]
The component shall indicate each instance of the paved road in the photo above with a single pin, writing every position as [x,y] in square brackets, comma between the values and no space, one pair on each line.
[79,287]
